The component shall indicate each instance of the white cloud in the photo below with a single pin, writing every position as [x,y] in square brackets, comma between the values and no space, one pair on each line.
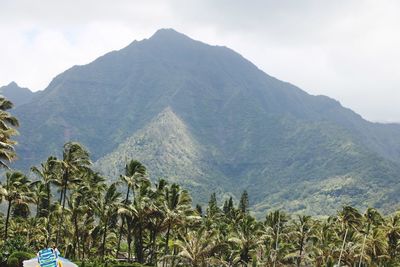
[344,49]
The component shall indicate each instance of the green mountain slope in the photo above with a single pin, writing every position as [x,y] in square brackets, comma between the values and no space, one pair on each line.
[169,151]
[238,127]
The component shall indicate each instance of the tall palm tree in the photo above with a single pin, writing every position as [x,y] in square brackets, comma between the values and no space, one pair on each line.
[144,210]
[197,248]
[80,203]
[243,238]
[324,242]
[49,172]
[349,218]
[135,173]
[16,190]
[392,230]
[107,208]
[372,218]
[74,164]
[272,233]
[8,125]
[38,193]
[85,214]
[376,246]
[301,235]
[177,203]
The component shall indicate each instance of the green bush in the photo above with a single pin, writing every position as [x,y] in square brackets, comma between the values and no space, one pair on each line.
[11,245]
[16,258]
[13,262]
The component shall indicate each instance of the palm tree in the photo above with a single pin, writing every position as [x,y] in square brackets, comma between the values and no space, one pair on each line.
[135,172]
[197,248]
[177,203]
[302,234]
[243,238]
[8,123]
[144,210]
[16,190]
[74,164]
[128,212]
[79,206]
[107,208]
[392,230]
[376,246]
[49,173]
[155,222]
[349,218]
[272,233]
[324,242]
[38,193]
[373,218]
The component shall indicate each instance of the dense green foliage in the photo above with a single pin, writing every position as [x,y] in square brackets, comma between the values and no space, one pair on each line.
[65,203]
[16,258]
[69,205]
[8,124]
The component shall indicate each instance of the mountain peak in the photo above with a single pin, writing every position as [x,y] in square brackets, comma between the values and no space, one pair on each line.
[12,84]
[168,34]
[18,95]
[164,144]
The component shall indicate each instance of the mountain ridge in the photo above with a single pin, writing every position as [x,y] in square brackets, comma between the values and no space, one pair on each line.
[18,95]
[253,129]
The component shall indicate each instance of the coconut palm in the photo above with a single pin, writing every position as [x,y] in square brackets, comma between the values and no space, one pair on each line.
[376,246]
[372,218]
[272,233]
[128,212]
[48,173]
[301,235]
[243,239]
[15,191]
[392,230]
[38,193]
[197,248]
[107,208]
[349,218]
[324,242]
[145,209]
[175,206]
[74,164]
[78,206]
[135,173]
[8,125]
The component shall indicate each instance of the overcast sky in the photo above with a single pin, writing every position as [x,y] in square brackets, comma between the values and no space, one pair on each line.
[345,49]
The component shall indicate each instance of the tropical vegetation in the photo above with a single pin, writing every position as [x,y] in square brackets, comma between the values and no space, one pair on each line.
[64,202]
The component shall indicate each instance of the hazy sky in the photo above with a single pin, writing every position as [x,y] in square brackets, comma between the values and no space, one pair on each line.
[348,50]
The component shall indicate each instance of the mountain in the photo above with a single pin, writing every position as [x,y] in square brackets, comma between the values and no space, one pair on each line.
[208,118]
[16,94]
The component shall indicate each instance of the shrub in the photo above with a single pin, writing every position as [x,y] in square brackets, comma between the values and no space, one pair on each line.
[13,262]
[16,258]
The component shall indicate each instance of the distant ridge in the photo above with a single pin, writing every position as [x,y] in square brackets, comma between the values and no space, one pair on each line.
[18,95]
